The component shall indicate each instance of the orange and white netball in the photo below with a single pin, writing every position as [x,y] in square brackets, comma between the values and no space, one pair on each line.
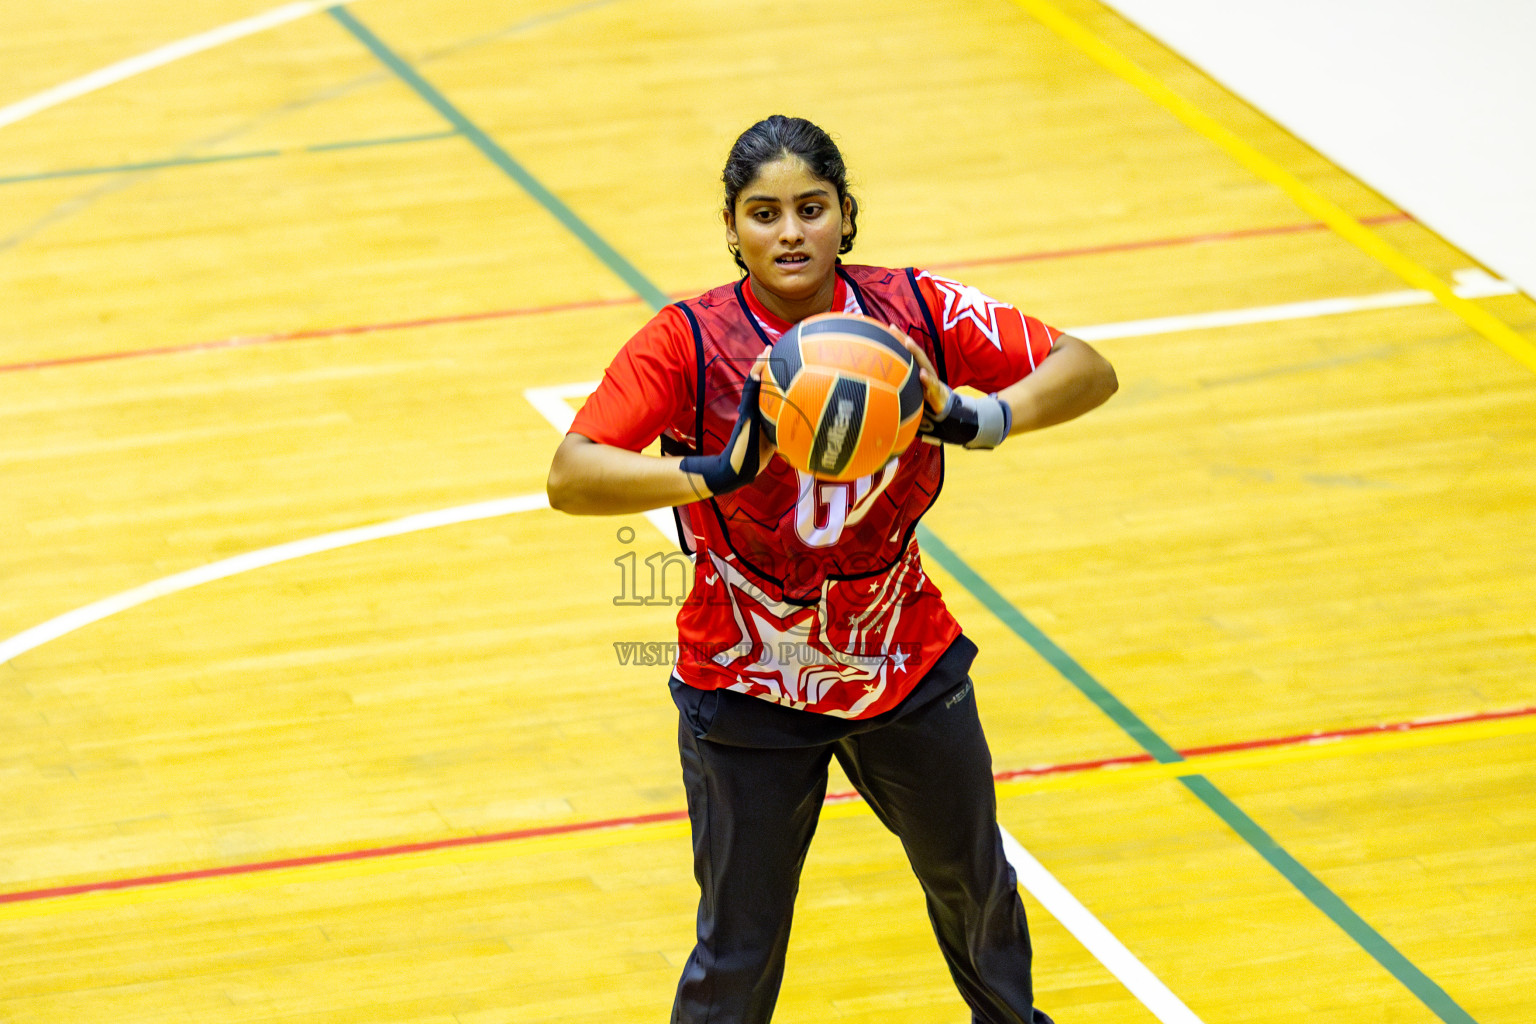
[841,396]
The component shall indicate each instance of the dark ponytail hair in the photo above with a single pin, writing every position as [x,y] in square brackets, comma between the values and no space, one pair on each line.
[774,138]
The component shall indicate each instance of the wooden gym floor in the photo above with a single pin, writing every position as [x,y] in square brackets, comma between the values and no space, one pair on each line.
[313,712]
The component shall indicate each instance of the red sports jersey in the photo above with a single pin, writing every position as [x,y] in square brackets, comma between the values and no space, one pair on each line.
[807,593]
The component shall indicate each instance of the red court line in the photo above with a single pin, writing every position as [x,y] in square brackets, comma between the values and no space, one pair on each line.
[342,857]
[1364,730]
[1161,243]
[248,341]
[245,341]
[378,852]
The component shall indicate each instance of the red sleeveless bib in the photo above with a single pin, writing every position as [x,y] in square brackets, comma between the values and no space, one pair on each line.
[806,592]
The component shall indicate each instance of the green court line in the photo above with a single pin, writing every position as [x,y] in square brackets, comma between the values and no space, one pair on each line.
[1054,656]
[193,161]
[391,140]
[1326,900]
[502,159]
[1308,884]
[1305,882]
[147,165]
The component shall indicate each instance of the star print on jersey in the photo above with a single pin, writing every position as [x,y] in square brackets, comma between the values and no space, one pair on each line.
[784,655]
[783,647]
[963,302]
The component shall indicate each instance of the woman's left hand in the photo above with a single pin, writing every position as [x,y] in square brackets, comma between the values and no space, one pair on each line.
[765,447]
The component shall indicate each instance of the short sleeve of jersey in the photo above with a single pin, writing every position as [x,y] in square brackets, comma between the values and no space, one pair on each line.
[648,383]
[987,344]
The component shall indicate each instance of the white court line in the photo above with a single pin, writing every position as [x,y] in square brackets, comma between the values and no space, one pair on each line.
[1471,284]
[123,69]
[551,402]
[1096,938]
[80,617]
[554,405]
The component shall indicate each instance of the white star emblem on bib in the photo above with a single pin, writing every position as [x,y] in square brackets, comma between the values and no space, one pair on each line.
[962,302]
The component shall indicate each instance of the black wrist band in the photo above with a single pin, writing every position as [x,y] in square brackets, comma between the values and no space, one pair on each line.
[718,473]
[972,422]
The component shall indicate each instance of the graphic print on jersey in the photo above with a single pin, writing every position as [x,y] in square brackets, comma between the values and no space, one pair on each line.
[962,302]
[825,507]
[798,656]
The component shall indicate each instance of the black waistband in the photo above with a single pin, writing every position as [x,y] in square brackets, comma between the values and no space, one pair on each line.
[738,720]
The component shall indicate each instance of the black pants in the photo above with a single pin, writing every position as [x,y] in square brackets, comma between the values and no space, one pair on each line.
[928,776]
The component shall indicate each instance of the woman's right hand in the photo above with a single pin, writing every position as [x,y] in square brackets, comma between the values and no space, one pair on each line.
[765,447]
[747,449]
[935,391]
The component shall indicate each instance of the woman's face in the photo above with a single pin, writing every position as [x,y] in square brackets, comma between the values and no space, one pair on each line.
[788,225]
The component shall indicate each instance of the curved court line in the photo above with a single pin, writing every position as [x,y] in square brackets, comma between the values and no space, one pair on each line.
[70,621]
[161,56]
[1292,870]
[80,203]
[1302,194]
[643,287]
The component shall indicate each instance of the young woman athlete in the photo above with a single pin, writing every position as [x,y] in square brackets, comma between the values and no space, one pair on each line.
[811,630]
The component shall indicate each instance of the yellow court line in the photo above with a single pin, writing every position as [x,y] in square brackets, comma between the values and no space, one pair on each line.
[1309,199]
